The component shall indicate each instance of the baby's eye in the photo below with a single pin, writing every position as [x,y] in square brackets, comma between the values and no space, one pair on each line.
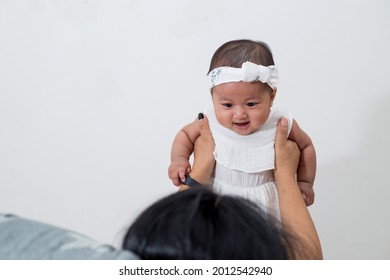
[227,105]
[251,104]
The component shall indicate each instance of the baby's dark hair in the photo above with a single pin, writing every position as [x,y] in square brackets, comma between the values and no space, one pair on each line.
[200,224]
[235,53]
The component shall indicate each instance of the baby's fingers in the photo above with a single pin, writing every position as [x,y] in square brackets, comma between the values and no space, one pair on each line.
[182,175]
[176,181]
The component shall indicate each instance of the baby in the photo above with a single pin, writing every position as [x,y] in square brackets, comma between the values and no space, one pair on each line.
[243,85]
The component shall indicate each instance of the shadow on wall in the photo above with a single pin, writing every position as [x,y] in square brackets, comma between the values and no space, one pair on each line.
[354,192]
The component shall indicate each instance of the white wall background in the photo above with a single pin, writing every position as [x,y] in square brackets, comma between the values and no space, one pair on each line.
[93,92]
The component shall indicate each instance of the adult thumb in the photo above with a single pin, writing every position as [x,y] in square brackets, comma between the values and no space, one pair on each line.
[282,131]
[204,126]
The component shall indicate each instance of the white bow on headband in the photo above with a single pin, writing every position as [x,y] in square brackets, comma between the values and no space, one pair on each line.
[249,72]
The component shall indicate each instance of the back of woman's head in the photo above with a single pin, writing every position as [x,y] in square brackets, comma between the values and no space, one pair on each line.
[199,224]
[235,53]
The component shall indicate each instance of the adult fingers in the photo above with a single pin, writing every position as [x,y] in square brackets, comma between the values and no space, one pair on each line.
[205,140]
[204,162]
[204,126]
[282,132]
[286,151]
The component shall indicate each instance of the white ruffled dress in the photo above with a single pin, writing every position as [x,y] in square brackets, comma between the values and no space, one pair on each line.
[244,164]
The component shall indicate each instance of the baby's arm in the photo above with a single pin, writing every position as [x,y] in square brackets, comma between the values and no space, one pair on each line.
[307,163]
[182,148]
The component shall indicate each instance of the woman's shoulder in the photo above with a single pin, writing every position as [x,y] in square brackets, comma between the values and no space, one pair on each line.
[22,238]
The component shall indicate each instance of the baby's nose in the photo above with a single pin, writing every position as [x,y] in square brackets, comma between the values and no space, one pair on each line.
[240,113]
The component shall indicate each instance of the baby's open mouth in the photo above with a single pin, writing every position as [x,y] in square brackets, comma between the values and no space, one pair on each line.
[243,124]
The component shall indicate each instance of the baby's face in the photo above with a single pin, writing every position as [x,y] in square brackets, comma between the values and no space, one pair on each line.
[241,106]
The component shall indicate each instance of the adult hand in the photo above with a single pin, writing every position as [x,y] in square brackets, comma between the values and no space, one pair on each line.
[293,211]
[204,162]
[286,153]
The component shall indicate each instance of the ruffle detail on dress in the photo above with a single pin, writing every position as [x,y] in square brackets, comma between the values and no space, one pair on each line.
[245,158]
[247,153]
[265,195]
[238,179]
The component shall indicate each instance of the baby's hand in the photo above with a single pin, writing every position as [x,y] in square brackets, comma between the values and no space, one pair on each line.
[178,169]
[307,192]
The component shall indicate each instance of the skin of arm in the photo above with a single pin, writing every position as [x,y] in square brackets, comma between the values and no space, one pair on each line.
[182,148]
[307,163]
[204,162]
[293,211]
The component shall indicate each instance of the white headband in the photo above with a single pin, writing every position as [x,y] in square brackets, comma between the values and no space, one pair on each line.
[249,72]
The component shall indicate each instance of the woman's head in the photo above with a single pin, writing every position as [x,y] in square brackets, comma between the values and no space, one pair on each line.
[242,106]
[199,224]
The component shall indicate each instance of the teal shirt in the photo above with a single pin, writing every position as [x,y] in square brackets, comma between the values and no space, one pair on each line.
[24,239]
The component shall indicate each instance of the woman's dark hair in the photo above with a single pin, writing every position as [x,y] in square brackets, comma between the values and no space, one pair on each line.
[200,224]
[235,53]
